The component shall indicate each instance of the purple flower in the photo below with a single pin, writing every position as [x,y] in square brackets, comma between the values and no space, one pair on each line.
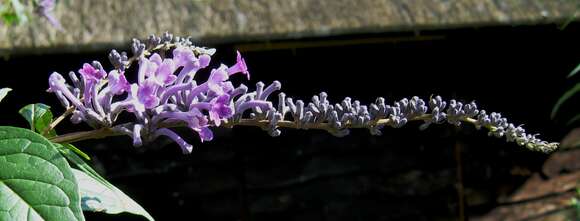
[216,78]
[164,74]
[195,120]
[92,73]
[199,123]
[239,67]
[184,57]
[57,84]
[205,134]
[156,59]
[91,76]
[147,94]
[204,60]
[146,67]
[185,147]
[118,84]
[220,108]
[160,70]
[44,8]
[160,100]
[143,97]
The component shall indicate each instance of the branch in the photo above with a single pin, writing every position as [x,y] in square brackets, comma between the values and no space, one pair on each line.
[56,121]
[108,132]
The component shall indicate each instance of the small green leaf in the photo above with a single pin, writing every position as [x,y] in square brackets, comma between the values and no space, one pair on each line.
[4,92]
[97,197]
[575,71]
[74,158]
[39,117]
[564,98]
[36,182]
[77,151]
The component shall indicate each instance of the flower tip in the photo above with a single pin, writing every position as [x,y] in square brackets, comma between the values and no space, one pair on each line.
[243,65]
[90,72]
[277,85]
[187,149]
[204,60]
[53,80]
[205,134]
[240,66]
[118,83]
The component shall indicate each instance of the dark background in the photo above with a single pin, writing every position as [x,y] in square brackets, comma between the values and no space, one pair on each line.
[406,174]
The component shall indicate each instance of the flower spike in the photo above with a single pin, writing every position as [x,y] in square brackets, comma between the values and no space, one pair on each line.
[168,94]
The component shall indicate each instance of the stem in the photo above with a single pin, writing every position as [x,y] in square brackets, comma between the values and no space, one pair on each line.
[107,132]
[148,52]
[56,121]
[85,135]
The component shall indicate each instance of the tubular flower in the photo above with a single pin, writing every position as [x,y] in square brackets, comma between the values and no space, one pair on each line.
[239,67]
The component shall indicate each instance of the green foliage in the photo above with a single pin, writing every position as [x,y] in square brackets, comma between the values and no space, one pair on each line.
[12,12]
[97,194]
[74,149]
[39,117]
[4,92]
[564,98]
[36,182]
[67,150]
[102,197]
[574,72]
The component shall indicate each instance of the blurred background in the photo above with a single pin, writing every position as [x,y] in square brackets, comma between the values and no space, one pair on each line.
[509,56]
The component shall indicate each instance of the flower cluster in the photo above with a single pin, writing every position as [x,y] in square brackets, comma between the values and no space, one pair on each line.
[167,94]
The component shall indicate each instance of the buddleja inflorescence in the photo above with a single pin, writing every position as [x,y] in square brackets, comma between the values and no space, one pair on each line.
[167,94]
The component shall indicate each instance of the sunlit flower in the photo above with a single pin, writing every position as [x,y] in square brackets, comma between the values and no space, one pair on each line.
[118,84]
[239,67]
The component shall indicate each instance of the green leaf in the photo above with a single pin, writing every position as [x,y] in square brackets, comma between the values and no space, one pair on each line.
[118,204]
[575,71]
[564,98]
[75,159]
[4,92]
[97,197]
[77,151]
[39,117]
[36,182]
